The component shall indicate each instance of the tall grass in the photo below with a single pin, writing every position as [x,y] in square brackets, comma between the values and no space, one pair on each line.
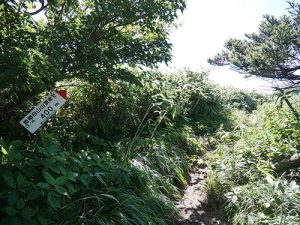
[118,153]
[243,176]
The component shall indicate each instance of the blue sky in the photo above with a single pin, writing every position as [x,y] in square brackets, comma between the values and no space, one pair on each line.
[207,24]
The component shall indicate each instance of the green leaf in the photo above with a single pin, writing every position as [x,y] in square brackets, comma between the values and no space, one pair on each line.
[61,190]
[70,187]
[10,181]
[63,170]
[99,177]
[53,200]
[86,179]
[111,197]
[55,169]
[27,213]
[43,185]
[16,144]
[33,195]
[61,180]
[173,112]
[48,163]
[21,180]
[3,150]
[20,204]
[13,197]
[72,175]
[49,178]
[52,149]
[11,211]
[42,220]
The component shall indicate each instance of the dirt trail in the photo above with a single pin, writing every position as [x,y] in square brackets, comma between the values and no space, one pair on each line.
[195,207]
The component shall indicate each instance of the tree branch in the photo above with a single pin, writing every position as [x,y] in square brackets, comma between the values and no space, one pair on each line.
[40,9]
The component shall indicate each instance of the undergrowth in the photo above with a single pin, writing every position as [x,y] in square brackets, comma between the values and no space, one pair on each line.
[117,153]
[245,177]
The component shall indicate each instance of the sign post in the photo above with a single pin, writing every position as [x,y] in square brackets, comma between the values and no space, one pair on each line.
[43,111]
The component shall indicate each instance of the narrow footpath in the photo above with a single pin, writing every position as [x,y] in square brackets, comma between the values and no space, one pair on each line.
[195,207]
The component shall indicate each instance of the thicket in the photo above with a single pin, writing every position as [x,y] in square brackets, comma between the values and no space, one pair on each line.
[117,153]
[113,154]
[120,150]
[255,168]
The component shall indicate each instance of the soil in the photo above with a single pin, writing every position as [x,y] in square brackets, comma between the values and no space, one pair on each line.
[195,207]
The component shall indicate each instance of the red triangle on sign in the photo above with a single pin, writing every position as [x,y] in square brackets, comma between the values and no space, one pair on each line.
[62,93]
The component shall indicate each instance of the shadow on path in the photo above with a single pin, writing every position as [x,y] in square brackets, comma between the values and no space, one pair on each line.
[195,207]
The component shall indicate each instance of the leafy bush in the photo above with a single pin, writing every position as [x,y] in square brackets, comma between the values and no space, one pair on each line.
[120,153]
[117,111]
[248,155]
[242,100]
[265,202]
[46,184]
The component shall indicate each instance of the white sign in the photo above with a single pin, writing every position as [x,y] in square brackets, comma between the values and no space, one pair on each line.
[40,114]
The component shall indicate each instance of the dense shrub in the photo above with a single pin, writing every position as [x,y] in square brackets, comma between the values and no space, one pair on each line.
[46,184]
[243,100]
[244,175]
[117,153]
[117,110]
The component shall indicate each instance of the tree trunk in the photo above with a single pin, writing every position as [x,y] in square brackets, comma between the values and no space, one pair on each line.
[286,164]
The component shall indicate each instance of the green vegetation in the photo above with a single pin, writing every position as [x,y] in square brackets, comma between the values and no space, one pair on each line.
[270,53]
[120,150]
[255,168]
[117,154]
[46,42]
[252,172]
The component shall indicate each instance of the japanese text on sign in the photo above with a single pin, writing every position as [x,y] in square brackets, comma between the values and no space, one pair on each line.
[42,112]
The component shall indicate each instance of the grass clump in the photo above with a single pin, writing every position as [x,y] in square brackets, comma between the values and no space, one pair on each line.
[244,175]
[118,153]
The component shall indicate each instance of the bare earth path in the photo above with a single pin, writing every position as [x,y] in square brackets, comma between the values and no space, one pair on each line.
[195,207]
